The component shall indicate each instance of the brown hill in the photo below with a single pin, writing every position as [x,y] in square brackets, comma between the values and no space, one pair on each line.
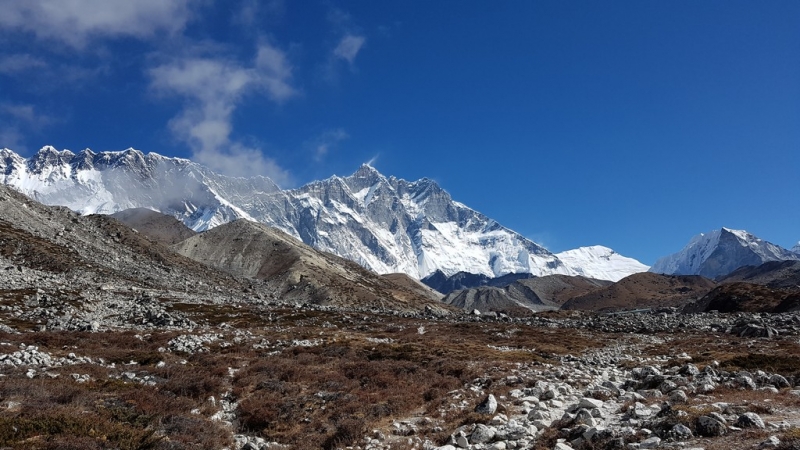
[775,274]
[159,227]
[490,298]
[746,297]
[412,285]
[296,271]
[557,289]
[535,294]
[644,290]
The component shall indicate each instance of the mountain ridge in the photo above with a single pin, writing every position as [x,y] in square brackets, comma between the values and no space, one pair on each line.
[386,224]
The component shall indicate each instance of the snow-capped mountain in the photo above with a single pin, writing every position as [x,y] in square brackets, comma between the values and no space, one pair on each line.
[796,248]
[384,223]
[600,263]
[108,182]
[719,253]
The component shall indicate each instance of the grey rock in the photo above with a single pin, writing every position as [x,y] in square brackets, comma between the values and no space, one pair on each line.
[678,396]
[652,442]
[487,406]
[680,432]
[481,435]
[779,381]
[710,427]
[750,420]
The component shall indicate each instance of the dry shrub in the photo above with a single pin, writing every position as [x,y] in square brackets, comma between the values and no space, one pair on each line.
[348,431]
[67,427]
[783,364]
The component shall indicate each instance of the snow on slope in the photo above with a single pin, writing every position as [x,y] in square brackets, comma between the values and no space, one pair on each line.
[600,263]
[796,249]
[384,223]
[719,253]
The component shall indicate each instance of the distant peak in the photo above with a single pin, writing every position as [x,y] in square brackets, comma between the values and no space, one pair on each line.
[741,234]
[366,168]
[366,171]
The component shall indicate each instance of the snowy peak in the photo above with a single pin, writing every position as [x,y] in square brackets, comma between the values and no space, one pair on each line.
[796,249]
[719,253]
[601,263]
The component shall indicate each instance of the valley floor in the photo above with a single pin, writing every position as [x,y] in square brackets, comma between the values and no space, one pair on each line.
[278,376]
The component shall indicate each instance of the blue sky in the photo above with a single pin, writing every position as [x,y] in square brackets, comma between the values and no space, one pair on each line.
[631,124]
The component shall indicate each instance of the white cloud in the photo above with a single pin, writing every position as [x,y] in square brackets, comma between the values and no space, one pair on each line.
[212,87]
[253,12]
[18,63]
[350,42]
[24,114]
[74,22]
[349,47]
[327,141]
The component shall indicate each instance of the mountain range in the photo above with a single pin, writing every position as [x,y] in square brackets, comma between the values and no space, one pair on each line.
[385,224]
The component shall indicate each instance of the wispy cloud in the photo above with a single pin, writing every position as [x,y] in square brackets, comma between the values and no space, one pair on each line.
[349,47]
[251,13]
[75,22]
[350,41]
[19,63]
[212,87]
[25,114]
[327,141]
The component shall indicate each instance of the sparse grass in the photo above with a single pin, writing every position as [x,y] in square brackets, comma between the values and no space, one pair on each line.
[364,372]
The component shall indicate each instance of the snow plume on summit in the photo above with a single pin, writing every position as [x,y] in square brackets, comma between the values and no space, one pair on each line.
[719,253]
[384,223]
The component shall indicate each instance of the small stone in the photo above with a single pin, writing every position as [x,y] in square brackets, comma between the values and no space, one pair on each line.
[771,442]
[487,406]
[678,396]
[680,432]
[710,427]
[590,403]
[652,442]
[750,420]
[779,381]
[584,417]
[481,435]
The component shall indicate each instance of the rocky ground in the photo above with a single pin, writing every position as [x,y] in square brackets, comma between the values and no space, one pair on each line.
[266,375]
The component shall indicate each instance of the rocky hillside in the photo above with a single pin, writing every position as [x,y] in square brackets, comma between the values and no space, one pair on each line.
[296,271]
[159,227]
[534,294]
[93,270]
[463,280]
[747,297]
[775,274]
[644,290]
